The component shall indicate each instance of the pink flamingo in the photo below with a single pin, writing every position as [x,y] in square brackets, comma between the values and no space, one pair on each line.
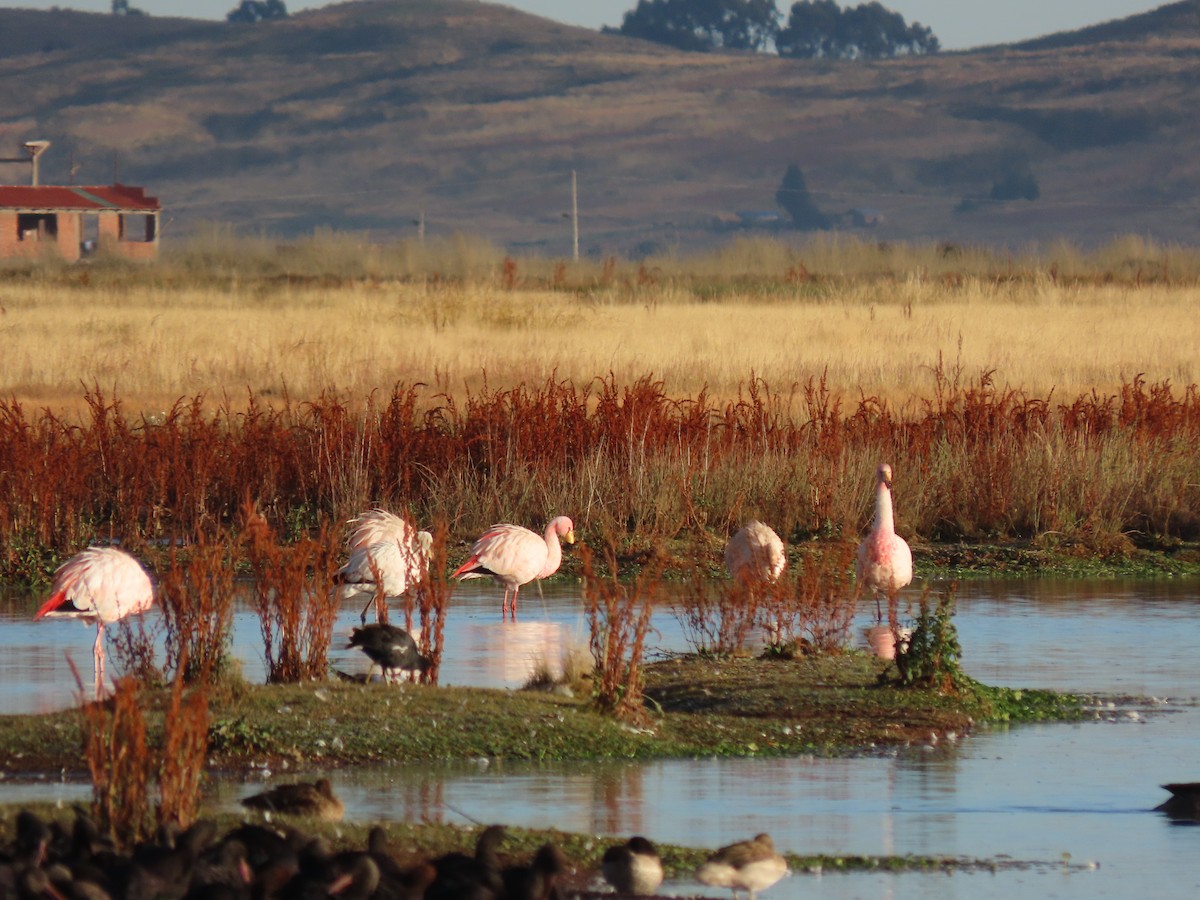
[102,584]
[755,555]
[514,556]
[386,551]
[884,561]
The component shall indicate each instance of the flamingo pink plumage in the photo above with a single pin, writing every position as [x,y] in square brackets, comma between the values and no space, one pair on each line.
[884,563]
[514,556]
[102,584]
[755,555]
[386,551]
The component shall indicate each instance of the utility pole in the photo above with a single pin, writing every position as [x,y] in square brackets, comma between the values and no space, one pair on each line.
[574,217]
[421,226]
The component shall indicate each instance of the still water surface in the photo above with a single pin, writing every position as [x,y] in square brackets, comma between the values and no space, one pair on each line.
[1074,798]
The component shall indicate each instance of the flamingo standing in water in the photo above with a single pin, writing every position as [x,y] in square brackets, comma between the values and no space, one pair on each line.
[386,552]
[102,584]
[514,556]
[884,563]
[755,555]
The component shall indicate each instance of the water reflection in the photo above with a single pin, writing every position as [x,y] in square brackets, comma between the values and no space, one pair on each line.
[1032,793]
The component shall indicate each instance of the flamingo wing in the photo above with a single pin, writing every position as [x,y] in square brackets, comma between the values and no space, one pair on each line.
[378,525]
[511,554]
[103,582]
[380,564]
[756,552]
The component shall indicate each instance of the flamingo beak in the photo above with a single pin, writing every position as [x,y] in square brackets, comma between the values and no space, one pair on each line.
[570,537]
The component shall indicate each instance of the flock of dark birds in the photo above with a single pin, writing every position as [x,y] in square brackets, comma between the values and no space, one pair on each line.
[258,859]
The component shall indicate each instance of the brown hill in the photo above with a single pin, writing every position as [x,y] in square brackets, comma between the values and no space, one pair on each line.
[358,116]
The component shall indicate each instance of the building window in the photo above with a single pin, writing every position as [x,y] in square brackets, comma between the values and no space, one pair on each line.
[141,228]
[37,226]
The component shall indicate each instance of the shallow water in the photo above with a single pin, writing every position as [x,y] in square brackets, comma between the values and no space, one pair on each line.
[1063,796]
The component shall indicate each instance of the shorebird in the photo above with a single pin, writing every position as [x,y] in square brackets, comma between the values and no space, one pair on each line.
[632,867]
[747,865]
[101,584]
[300,799]
[514,556]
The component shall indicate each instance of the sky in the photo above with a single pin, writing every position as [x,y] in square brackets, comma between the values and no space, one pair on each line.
[957,23]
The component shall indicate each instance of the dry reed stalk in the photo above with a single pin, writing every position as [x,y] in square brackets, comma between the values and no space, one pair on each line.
[295,600]
[118,759]
[196,598]
[135,648]
[812,605]
[976,459]
[619,621]
[432,603]
[185,747]
[718,619]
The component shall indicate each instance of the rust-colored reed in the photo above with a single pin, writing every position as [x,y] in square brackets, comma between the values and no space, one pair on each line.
[973,460]
[619,616]
[294,598]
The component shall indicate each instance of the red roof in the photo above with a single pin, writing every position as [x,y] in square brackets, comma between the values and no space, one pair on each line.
[86,199]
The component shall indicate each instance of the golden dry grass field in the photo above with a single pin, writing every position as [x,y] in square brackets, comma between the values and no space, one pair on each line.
[150,346]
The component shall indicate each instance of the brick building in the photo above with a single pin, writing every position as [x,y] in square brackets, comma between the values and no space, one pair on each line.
[71,222]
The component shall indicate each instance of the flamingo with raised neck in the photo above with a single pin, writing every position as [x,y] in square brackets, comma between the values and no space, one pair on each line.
[884,563]
[513,556]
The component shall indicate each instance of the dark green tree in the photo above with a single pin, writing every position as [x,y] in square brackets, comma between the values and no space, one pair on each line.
[822,29]
[122,8]
[794,199]
[704,24]
[257,11]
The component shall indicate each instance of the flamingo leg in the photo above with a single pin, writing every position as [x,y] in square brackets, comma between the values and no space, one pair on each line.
[514,603]
[504,608]
[98,653]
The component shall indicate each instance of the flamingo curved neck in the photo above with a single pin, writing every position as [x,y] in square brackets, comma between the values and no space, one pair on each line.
[553,553]
[884,523]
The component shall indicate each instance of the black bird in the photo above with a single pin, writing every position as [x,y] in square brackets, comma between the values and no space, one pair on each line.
[462,877]
[539,879]
[392,649]
[1184,802]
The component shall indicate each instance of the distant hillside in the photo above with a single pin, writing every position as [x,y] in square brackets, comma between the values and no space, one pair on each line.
[1174,19]
[368,115]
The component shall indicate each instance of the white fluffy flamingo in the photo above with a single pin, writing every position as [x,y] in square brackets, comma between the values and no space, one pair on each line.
[755,555]
[514,556]
[884,563]
[386,551]
[103,584]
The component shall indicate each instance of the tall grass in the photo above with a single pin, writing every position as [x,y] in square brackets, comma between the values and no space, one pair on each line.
[123,763]
[195,594]
[973,461]
[619,620]
[294,599]
[334,313]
